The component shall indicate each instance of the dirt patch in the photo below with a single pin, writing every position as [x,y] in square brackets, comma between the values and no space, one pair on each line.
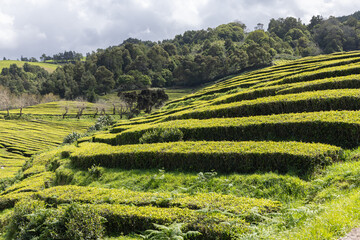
[353,235]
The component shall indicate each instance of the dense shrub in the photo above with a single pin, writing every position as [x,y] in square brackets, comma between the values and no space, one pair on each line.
[103,121]
[160,135]
[72,137]
[32,219]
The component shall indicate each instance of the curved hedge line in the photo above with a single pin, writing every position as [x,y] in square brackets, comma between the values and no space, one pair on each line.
[322,73]
[351,81]
[344,99]
[226,157]
[340,128]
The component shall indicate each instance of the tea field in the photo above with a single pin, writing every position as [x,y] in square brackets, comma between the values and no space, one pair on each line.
[268,154]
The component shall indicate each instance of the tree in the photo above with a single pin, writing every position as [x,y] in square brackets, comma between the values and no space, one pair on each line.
[129,98]
[22,101]
[80,105]
[147,99]
[87,83]
[6,99]
[104,79]
[314,21]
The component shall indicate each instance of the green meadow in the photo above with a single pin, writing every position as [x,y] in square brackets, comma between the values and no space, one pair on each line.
[47,66]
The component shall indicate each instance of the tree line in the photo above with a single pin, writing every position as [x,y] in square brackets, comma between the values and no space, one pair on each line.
[189,59]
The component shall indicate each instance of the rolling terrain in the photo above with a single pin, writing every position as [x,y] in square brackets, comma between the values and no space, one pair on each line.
[268,154]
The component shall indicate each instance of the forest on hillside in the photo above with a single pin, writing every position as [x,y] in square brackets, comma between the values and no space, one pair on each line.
[190,59]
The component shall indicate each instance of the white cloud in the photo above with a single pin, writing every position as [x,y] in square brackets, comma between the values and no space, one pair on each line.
[7,32]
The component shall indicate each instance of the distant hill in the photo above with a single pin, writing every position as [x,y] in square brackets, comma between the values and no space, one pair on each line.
[355,15]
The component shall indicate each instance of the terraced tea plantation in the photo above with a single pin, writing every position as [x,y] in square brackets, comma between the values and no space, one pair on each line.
[268,154]
[21,139]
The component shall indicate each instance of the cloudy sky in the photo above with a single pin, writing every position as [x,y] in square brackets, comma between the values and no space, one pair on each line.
[33,27]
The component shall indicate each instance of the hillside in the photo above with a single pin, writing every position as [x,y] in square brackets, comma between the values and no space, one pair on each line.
[47,66]
[267,154]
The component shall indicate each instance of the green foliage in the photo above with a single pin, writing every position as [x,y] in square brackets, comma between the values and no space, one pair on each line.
[96,171]
[160,135]
[83,222]
[72,137]
[32,219]
[172,232]
[103,121]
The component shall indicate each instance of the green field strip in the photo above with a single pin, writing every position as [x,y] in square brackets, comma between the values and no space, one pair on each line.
[56,108]
[226,157]
[343,99]
[47,66]
[340,128]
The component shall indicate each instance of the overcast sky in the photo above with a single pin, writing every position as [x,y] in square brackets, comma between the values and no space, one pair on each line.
[33,27]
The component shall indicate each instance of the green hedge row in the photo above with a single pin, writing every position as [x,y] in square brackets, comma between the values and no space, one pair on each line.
[320,74]
[127,219]
[343,99]
[351,81]
[225,157]
[215,201]
[340,128]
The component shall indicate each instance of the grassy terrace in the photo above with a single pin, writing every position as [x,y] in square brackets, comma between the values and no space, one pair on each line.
[56,109]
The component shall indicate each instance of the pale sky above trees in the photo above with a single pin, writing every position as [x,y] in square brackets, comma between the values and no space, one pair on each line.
[33,27]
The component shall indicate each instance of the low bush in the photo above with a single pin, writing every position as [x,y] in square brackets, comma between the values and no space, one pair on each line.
[160,135]
[33,219]
[72,137]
